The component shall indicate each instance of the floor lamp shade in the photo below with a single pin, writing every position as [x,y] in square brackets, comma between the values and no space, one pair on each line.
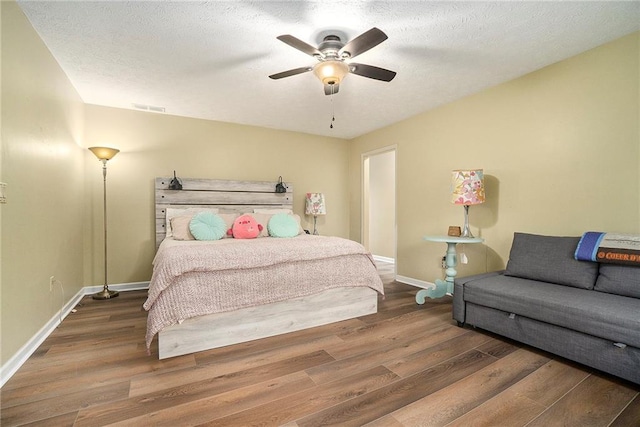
[104,154]
[467,188]
[314,205]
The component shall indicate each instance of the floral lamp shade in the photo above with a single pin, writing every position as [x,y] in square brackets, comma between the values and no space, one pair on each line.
[467,187]
[315,204]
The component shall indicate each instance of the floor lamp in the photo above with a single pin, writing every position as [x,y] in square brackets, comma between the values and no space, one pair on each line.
[104,154]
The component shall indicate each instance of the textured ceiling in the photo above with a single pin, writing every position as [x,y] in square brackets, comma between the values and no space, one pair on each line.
[211,59]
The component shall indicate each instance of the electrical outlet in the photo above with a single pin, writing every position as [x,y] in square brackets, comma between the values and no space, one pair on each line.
[52,280]
[443,262]
[463,258]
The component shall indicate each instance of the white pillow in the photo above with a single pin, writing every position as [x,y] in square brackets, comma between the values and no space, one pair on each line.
[262,219]
[173,212]
[272,211]
[180,227]
[297,218]
[228,220]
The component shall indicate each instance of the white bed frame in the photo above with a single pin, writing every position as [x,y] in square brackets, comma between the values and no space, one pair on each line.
[222,329]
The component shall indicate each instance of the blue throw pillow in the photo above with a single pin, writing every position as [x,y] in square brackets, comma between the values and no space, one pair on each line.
[282,225]
[207,226]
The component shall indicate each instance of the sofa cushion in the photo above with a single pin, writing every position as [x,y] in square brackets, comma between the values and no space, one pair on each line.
[550,259]
[619,279]
[459,312]
[607,316]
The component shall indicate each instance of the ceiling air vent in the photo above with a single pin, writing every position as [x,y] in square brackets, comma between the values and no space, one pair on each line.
[148,108]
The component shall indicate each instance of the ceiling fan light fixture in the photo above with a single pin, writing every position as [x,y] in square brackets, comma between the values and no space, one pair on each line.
[332,54]
[331,72]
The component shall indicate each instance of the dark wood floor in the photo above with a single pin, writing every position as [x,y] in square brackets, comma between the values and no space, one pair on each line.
[407,365]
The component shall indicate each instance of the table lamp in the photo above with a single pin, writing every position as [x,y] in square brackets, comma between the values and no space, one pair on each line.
[467,188]
[314,205]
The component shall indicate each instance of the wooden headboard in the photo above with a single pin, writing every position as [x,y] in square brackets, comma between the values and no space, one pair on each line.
[226,195]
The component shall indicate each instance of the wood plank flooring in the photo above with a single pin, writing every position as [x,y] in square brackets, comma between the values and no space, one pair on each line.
[407,365]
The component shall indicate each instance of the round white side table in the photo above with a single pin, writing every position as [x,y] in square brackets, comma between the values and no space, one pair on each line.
[444,287]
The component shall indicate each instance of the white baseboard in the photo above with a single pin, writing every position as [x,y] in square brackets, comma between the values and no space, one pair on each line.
[123,287]
[13,364]
[383,259]
[8,369]
[415,282]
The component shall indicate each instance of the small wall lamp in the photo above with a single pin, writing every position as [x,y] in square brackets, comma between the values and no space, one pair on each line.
[280,187]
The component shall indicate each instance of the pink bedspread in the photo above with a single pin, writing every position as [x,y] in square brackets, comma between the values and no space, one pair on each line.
[194,278]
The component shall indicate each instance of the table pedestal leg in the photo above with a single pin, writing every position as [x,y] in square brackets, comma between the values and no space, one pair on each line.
[443,287]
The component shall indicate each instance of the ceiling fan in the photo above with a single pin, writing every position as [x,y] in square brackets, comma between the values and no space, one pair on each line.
[333,55]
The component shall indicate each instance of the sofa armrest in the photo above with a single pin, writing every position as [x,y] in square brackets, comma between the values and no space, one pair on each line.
[459,309]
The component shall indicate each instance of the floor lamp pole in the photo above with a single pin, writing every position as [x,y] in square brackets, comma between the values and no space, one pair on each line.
[105,293]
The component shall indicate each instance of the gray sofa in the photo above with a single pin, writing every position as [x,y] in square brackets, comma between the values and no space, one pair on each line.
[584,311]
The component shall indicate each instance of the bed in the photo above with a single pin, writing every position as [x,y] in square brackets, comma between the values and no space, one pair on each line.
[209,294]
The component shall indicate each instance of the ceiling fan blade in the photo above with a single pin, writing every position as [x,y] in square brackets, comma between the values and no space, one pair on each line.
[299,44]
[364,42]
[289,73]
[372,72]
[331,89]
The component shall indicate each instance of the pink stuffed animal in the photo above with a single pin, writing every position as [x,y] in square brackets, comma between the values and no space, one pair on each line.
[245,227]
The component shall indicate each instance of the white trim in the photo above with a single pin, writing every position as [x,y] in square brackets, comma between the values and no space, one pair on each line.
[123,287]
[363,156]
[415,282]
[383,259]
[17,360]
[8,369]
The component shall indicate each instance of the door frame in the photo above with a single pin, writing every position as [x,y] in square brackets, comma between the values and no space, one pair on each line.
[364,192]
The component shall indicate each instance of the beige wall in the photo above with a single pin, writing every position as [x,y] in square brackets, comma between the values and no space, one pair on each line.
[154,145]
[42,162]
[559,148]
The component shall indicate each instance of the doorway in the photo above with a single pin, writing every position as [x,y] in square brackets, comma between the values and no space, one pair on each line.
[378,220]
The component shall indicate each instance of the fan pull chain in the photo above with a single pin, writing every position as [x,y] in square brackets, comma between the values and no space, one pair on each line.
[333,113]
